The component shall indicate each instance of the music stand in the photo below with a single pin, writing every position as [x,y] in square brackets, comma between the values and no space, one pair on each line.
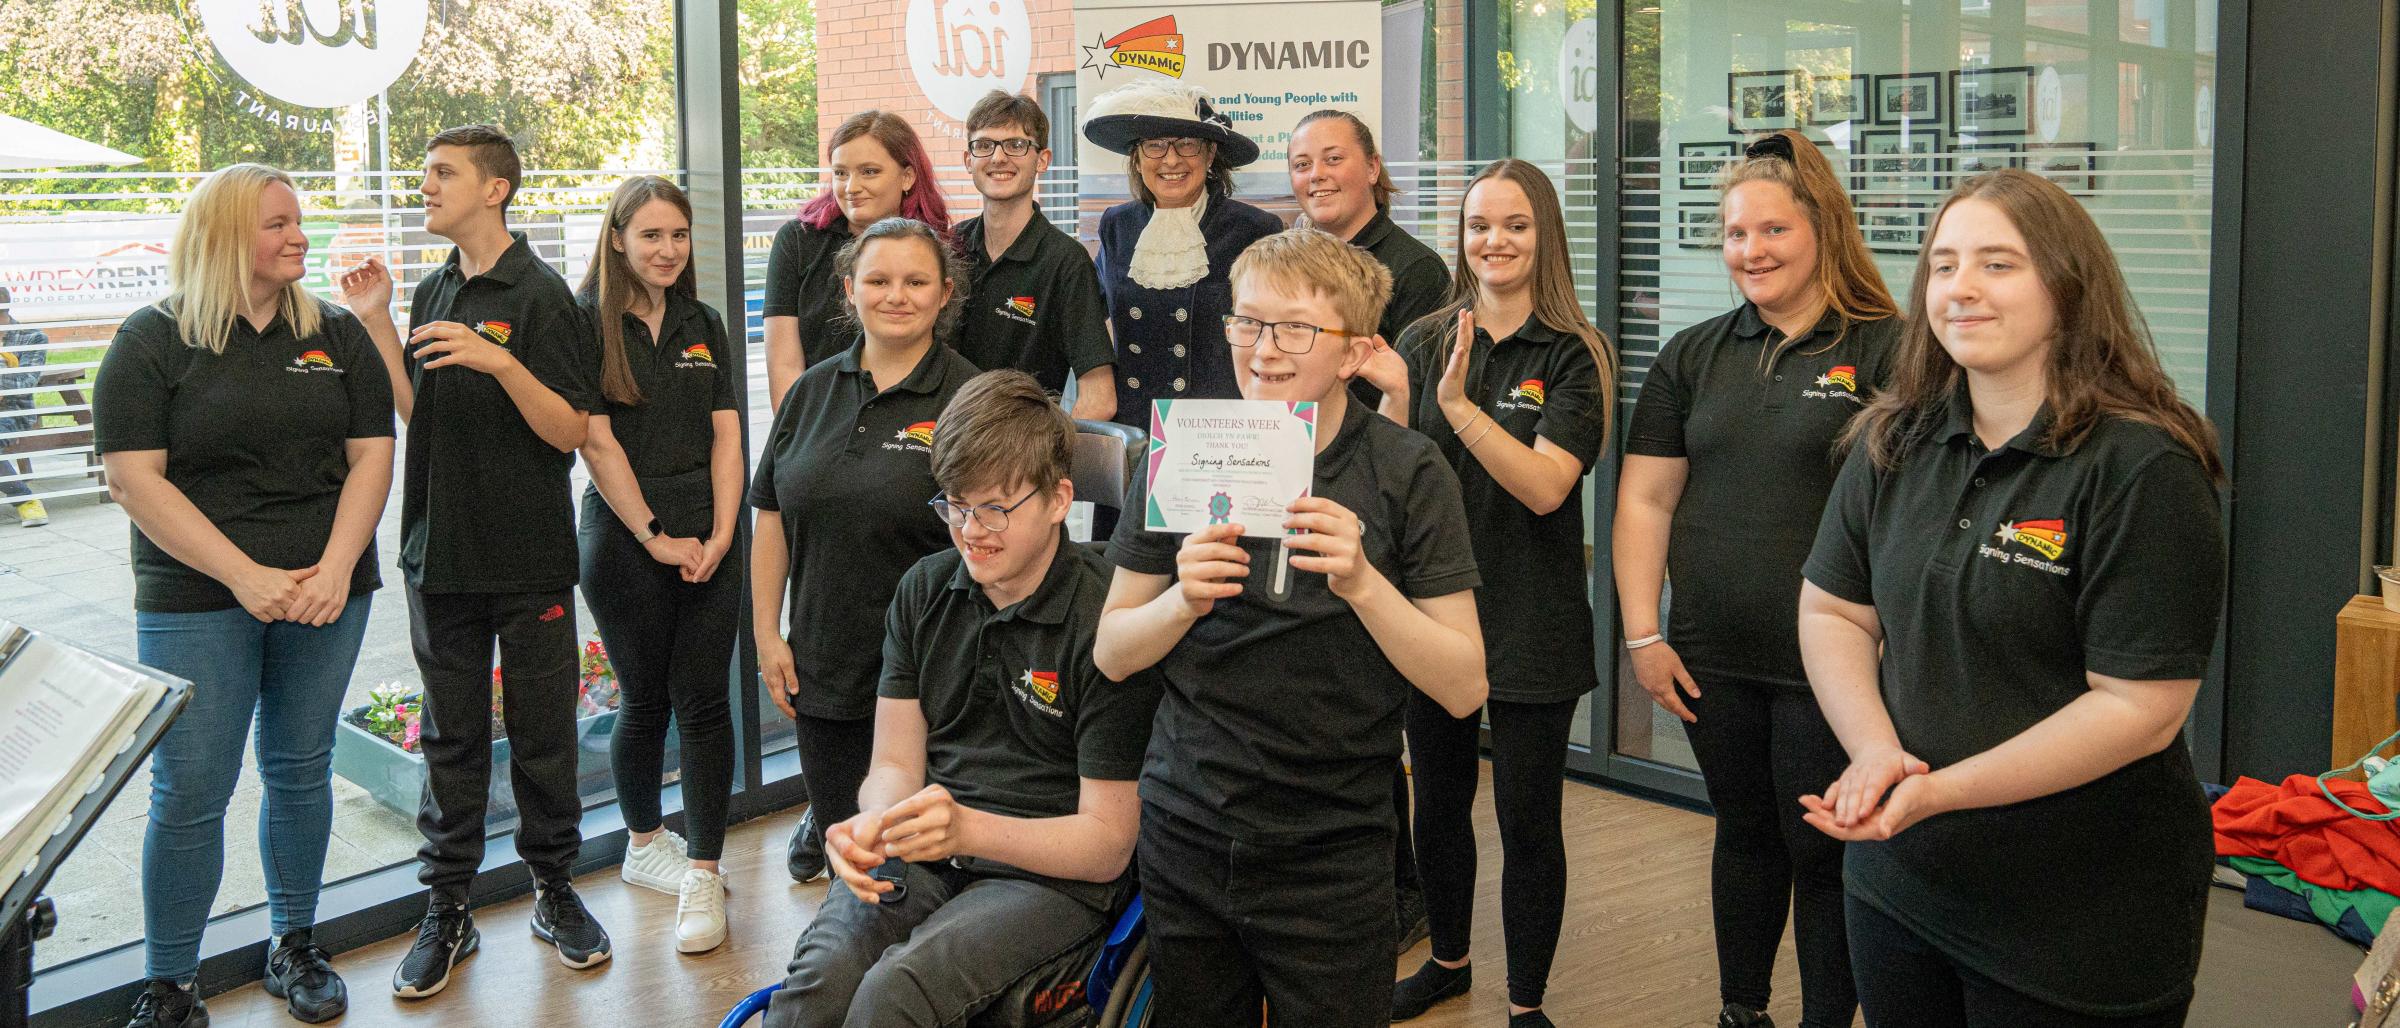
[26,915]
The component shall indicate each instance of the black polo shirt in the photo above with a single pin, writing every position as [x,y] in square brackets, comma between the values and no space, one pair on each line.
[1537,616]
[1759,442]
[2000,578]
[485,505]
[255,438]
[801,283]
[1420,285]
[1036,309]
[685,376]
[849,469]
[1015,711]
[1281,717]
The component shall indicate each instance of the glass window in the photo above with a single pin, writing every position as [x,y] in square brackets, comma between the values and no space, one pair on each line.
[347,109]
[2111,101]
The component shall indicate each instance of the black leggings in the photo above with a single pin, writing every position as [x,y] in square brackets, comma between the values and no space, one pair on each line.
[671,644]
[1906,983]
[1529,760]
[1762,746]
[833,756]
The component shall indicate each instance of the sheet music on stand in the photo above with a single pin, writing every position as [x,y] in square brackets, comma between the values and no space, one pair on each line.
[74,726]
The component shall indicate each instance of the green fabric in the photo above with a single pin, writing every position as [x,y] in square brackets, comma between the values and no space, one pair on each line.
[2374,906]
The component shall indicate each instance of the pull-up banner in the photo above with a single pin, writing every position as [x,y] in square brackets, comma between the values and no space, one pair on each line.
[1263,64]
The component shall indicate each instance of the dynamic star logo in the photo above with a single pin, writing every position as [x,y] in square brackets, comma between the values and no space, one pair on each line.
[1843,375]
[315,359]
[1153,45]
[699,352]
[1023,305]
[496,331]
[921,432]
[1528,392]
[2047,537]
[1043,685]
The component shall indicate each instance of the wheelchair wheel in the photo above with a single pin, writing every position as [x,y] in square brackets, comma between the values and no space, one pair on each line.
[1129,1003]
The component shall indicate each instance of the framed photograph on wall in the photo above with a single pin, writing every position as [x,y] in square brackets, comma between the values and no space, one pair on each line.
[1761,101]
[1834,99]
[1901,161]
[1894,229]
[1911,99]
[1991,101]
[1698,227]
[1971,159]
[2071,165]
[1698,164]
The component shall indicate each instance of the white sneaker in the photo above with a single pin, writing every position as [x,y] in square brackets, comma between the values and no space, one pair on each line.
[658,866]
[700,912]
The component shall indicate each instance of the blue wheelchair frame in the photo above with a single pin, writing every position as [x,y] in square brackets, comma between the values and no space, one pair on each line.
[1100,983]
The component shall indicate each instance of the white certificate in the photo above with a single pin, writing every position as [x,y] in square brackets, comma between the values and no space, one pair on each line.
[1219,461]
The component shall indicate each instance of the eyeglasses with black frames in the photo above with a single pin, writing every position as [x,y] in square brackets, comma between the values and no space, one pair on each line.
[992,516]
[1156,149]
[1017,147]
[1289,336]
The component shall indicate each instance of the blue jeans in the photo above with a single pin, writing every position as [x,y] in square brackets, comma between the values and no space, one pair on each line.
[293,677]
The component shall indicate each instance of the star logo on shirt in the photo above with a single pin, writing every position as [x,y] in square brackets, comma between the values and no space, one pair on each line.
[1845,376]
[1042,684]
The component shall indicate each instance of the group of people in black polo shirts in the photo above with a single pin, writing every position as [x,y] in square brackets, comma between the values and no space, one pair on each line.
[1937,608]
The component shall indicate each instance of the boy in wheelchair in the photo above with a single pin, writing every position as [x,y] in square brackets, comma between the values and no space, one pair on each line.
[997,821]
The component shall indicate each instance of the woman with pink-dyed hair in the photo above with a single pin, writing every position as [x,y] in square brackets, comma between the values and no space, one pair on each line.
[877,169]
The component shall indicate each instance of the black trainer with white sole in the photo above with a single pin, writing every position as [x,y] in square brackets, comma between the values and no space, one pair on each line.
[300,973]
[560,919]
[445,937]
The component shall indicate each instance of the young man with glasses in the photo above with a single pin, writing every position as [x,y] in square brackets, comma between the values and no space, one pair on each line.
[997,820]
[1034,296]
[1266,828]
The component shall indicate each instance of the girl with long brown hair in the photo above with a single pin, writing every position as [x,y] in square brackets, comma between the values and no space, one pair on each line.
[1727,464]
[658,520]
[2006,615]
[1516,389]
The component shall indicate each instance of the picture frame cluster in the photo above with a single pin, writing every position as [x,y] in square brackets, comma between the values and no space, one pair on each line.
[1907,139]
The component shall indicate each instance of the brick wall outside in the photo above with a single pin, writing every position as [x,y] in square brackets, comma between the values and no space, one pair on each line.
[862,58]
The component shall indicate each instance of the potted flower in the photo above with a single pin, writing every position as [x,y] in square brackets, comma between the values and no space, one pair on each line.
[379,745]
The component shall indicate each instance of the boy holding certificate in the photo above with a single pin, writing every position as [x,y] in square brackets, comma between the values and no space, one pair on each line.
[1266,829]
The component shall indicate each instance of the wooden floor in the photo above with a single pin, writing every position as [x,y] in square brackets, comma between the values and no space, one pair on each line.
[1637,951]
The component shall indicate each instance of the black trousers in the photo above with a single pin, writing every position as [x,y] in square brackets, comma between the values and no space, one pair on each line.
[833,757]
[453,635]
[1303,926]
[1905,983]
[671,643]
[1529,758]
[1761,746]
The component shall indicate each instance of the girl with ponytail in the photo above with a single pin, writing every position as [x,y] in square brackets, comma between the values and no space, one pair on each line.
[1728,462]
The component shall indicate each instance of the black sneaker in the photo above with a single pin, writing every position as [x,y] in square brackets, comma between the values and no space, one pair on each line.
[300,973]
[806,858]
[1530,1019]
[164,1004]
[445,937]
[1736,1015]
[560,919]
[1414,926]
[1431,984]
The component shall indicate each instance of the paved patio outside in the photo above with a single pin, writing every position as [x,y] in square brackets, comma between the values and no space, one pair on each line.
[74,579]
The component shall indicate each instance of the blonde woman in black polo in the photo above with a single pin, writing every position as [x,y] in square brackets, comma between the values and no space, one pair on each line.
[1727,464]
[2006,615]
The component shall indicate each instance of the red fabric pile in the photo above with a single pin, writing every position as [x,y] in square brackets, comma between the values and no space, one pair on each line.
[2294,825]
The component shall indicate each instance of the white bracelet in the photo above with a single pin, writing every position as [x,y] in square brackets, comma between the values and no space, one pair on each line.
[1635,644]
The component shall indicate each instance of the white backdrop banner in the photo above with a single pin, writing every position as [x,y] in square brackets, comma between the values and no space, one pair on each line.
[1265,65]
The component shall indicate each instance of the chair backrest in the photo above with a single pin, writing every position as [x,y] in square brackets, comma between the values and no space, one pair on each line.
[1103,461]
